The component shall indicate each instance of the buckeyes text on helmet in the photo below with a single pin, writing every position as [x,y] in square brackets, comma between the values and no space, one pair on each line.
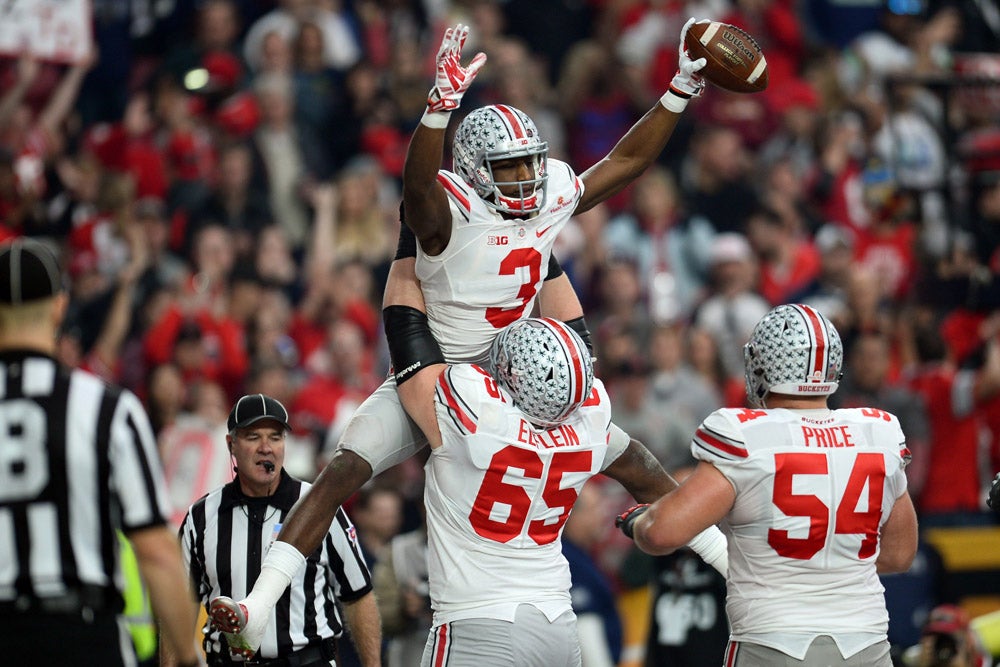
[500,132]
[545,366]
[793,350]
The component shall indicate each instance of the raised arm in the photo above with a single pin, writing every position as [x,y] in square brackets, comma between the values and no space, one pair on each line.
[27,71]
[644,142]
[424,198]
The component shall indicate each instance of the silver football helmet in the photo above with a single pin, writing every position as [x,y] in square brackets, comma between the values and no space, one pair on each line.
[546,368]
[793,350]
[501,132]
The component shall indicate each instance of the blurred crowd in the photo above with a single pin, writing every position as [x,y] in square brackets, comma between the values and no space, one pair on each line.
[222,179]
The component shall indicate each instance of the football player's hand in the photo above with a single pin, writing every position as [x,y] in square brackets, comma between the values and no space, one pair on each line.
[994,499]
[451,79]
[625,520]
[687,81]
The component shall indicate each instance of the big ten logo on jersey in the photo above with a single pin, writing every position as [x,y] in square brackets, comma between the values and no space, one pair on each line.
[497,239]
[687,605]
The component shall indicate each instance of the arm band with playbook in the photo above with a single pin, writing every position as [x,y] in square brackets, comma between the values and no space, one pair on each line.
[411,344]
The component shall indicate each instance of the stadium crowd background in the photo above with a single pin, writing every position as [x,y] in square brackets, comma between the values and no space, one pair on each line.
[222,180]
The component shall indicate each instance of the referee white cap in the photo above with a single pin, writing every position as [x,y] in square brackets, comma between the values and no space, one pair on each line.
[29,271]
[256,407]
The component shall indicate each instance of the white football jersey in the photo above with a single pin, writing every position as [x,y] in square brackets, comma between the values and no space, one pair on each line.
[491,271]
[498,492]
[813,488]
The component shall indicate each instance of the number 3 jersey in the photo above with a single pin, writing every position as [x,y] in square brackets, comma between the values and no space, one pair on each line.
[491,271]
[497,495]
[813,488]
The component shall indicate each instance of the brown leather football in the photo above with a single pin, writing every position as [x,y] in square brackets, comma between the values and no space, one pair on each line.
[735,61]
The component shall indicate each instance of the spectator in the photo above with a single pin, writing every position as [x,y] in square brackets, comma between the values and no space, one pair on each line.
[403,595]
[787,259]
[949,641]
[952,398]
[291,158]
[715,178]
[827,293]
[592,594]
[235,201]
[670,250]
[733,306]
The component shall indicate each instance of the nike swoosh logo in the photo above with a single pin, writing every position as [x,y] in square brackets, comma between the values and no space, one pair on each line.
[540,232]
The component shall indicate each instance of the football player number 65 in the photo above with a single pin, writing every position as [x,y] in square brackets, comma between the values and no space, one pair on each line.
[494,490]
[868,471]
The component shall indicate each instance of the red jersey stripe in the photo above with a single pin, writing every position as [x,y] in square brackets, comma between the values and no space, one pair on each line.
[455,192]
[449,395]
[722,446]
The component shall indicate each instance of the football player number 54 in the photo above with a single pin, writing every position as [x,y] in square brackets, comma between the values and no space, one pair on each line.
[850,516]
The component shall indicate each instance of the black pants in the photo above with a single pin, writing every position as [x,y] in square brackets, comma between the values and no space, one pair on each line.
[67,640]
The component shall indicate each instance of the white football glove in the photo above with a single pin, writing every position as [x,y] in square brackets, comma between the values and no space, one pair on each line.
[687,82]
[452,80]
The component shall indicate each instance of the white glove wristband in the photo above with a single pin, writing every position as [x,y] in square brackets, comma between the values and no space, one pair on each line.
[436,120]
[671,101]
[282,563]
[713,548]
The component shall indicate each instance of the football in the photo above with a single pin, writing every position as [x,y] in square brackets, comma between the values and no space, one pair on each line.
[735,61]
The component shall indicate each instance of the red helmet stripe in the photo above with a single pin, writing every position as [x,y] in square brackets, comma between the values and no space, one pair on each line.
[517,129]
[579,377]
[819,351]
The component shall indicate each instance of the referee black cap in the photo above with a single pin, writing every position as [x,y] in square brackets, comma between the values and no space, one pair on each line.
[256,407]
[29,271]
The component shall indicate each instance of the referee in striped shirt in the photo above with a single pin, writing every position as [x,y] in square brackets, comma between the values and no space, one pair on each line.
[226,534]
[78,462]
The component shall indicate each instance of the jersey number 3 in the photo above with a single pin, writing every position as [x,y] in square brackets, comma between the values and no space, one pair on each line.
[868,471]
[522,257]
[496,491]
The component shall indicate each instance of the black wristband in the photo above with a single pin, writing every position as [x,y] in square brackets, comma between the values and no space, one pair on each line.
[579,325]
[411,344]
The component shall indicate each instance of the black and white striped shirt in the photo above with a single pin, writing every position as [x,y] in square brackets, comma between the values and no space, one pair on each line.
[225,537]
[78,461]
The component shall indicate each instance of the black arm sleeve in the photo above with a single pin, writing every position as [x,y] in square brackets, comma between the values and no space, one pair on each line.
[407,244]
[555,269]
[411,344]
